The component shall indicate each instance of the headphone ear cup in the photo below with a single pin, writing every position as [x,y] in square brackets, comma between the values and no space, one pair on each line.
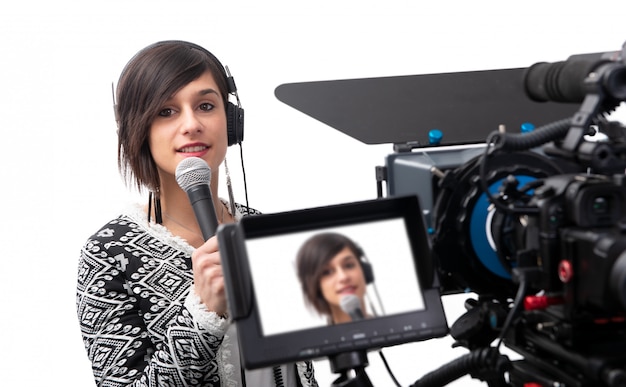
[234,125]
[366,267]
[368,272]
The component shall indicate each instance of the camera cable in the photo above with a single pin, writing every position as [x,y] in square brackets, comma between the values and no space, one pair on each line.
[522,276]
[384,359]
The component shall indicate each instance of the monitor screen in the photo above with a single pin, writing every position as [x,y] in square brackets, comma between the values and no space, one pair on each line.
[277,285]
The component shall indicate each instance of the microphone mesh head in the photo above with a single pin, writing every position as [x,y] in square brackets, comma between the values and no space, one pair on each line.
[192,171]
[349,303]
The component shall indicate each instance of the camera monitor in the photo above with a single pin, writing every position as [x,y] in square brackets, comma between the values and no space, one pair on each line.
[297,295]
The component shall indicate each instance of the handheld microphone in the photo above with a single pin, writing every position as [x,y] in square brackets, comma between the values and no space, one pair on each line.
[193,175]
[352,306]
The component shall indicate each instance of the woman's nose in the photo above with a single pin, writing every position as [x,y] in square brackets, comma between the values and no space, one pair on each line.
[189,122]
[342,275]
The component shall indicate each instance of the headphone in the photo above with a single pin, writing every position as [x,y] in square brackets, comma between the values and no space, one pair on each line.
[234,112]
[366,267]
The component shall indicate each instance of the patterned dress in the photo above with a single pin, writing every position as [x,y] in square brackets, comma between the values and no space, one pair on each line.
[141,324]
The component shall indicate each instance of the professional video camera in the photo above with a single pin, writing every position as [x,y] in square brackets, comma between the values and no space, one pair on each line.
[533,224]
[540,235]
[548,229]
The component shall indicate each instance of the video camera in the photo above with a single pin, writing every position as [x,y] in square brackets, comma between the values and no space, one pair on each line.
[555,225]
[533,223]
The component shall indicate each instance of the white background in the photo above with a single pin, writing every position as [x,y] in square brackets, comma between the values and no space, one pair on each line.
[58,159]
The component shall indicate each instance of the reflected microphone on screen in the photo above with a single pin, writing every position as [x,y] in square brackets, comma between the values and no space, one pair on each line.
[352,306]
[193,175]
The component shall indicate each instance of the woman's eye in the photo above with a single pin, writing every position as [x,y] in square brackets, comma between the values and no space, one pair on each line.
[165,113]
[350,265]
[206,106]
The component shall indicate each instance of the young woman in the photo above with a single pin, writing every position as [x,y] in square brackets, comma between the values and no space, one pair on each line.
[150,296]
[330,267]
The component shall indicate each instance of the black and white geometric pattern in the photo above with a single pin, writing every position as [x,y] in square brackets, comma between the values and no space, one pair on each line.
[134,281]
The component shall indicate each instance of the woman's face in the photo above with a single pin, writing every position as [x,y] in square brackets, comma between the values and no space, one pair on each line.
[342,275]
[191,123]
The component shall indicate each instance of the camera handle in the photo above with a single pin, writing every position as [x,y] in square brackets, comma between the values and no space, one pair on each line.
[345,362]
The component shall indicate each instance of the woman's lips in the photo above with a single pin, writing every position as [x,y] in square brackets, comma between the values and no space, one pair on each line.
[347,290]
[194,150]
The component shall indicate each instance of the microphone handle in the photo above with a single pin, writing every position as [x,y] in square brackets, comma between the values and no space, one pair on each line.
[202,203]
[356,314]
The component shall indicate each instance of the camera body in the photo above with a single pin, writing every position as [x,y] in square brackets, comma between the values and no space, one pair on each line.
[578,239]
[551,257]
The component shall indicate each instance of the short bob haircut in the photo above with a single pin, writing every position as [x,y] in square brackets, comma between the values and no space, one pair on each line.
[311,259]
[149,79]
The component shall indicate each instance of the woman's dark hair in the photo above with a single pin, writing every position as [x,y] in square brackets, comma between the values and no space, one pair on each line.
[311,259]
[149,79]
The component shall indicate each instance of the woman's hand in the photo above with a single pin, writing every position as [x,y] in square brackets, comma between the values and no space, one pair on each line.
[208,277]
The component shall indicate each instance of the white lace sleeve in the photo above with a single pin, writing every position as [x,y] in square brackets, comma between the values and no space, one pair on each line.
[204,318]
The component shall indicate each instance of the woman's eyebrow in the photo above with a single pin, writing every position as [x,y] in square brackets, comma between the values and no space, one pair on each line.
[348,257]
[207,91]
